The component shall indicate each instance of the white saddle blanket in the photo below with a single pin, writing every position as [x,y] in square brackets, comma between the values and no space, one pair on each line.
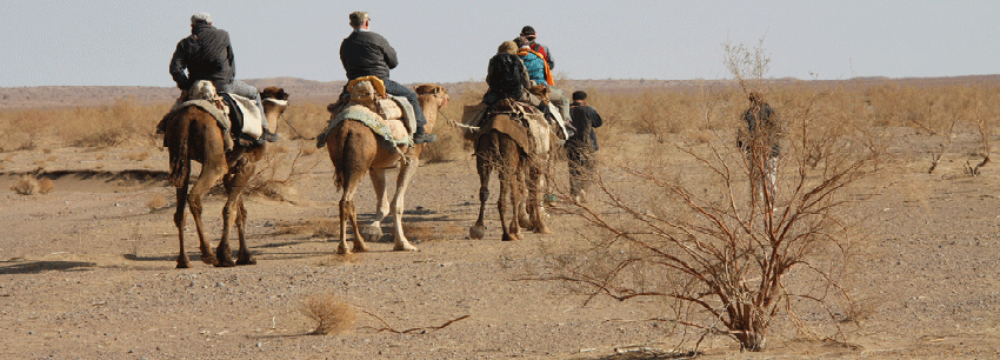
[252,118]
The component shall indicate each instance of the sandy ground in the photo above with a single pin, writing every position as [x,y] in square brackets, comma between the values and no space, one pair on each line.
[87,271]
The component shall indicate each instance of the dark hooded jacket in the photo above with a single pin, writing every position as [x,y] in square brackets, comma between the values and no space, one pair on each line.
[207,55]
[366,53]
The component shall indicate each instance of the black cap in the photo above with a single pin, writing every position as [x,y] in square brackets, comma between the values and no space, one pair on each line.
[527,31]
[579,95]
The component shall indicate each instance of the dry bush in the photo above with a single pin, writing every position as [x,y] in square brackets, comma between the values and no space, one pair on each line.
[331,314]
[696,240]
[29,185]
[447,147]
[276,176]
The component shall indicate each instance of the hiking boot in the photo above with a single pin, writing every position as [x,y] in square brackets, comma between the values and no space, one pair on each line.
[269,136]
[422,137]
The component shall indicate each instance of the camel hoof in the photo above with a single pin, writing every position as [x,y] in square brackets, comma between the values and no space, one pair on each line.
[360,248]
[246,260]
[477,232]
[208,259]
[511,237]
[183,263]
[372,232]
[343,250]
[225,263]
[543,230]
[404,247]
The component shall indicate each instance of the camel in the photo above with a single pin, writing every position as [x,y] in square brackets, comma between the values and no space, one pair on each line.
[354,150]
[192,134]
[518,171]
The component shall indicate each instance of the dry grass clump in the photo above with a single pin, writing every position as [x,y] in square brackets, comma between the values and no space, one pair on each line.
[158,201]
[331,314]
[29,185]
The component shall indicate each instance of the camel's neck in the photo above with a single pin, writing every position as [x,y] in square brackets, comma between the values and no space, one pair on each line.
[429,104]
[272,111]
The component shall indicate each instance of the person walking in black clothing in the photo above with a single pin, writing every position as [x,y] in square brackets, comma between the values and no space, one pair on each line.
[580,148]
[759,140]
[365,53]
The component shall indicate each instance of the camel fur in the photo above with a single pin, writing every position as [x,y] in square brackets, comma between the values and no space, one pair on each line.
[192,134]
[519,170]
[355,151]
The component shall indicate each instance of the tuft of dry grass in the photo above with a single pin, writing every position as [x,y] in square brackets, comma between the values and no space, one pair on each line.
[158,201]
[331,314]
[29,185]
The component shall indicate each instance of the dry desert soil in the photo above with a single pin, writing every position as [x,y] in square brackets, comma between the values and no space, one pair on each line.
[87,271]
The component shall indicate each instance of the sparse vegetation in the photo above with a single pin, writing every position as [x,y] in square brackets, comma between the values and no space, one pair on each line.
[330,314]
[30,185]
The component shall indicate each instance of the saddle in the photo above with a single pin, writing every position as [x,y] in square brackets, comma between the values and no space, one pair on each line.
[392,118]
[237,116]
[525,124]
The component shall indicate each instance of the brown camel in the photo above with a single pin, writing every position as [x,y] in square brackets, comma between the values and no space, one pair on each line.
[355,151]
[194,134]
[518,171]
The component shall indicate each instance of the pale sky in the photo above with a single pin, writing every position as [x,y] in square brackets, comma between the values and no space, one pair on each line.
[117,42]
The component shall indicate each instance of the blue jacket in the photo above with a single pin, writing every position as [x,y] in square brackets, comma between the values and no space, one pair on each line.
[536,68]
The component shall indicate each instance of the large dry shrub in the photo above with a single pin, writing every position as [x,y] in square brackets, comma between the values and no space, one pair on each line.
[692,236]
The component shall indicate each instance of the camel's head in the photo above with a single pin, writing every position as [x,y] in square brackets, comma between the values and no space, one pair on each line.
[274,96]
[437,91]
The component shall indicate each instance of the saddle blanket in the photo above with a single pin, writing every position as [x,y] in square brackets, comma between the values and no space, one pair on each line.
[395,132]
[252,118]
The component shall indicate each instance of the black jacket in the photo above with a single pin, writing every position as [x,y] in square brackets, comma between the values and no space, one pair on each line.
[207,55]
[763,129]
[585,119]
[366,53]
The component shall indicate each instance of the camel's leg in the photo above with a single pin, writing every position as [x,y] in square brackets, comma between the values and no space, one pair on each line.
[230,212]
[406,172]
[182,259]
[348,214]
[509,186]
[244,256]
[209,176]
[484,168]
[235,185]
[374,230]
[536,184]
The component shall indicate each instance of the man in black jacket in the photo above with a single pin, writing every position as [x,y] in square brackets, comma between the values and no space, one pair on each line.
[580,148]
[760,140]
[208,55]
[365,53]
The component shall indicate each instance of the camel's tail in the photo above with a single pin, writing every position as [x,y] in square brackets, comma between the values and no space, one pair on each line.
[342,163]
[180,163]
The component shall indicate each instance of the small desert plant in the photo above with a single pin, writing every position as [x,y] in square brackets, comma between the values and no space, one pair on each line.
[330,314]
[156,202]
[29,185]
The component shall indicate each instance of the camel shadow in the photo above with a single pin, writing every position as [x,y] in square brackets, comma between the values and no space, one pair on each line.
[36,267]
[651,355]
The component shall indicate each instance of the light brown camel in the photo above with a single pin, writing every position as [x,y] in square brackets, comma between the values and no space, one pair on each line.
[192,134]
[355,151]
[518,171]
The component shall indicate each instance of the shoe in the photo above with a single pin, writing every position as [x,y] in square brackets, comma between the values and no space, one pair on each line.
[422,137]
[269,136]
